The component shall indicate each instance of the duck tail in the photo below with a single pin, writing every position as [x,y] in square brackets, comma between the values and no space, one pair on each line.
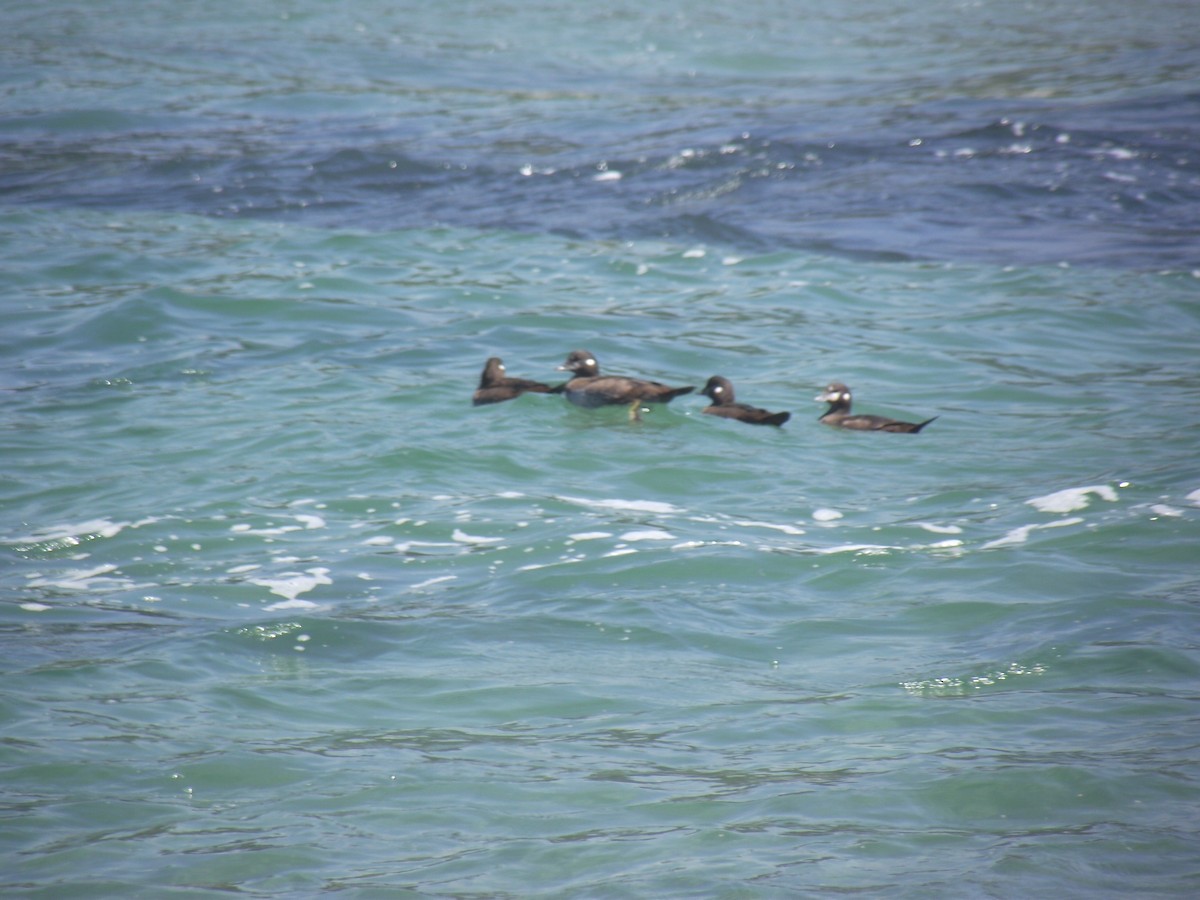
[923,424]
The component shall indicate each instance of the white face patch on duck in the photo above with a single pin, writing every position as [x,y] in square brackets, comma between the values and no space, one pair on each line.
[589,362]
[717,389]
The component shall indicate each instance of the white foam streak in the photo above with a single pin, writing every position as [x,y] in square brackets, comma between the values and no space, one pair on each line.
[589,535]
[786,529]
[463,538]
[71,535]
[866,549]
[408,546]
[292,584]
[1071,499]
[562,562]
[649,534]
[940,529]
[79,579]
[1021,535]
[430,582]
[245,528]
[292,604]
[649,506]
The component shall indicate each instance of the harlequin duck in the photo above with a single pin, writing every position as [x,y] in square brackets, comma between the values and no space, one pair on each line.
[720,391]
[589,388]
[837,395]
[495,387]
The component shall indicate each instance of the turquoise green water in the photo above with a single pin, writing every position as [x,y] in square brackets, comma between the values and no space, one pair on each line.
[283,615]
[286,612]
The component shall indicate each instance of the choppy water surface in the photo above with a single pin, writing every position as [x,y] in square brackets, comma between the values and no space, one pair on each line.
[283,614]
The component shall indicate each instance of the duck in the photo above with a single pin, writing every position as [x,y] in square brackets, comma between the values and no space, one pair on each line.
[724,404]
[496,387]
[837,395]
[590,389]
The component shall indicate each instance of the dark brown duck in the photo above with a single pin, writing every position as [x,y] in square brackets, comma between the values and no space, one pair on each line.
[837,395]
[496,387]
[591,389]
[724,404]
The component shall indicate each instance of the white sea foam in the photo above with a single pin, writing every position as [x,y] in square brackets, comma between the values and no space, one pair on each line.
[70,535]
[940,529]
[35,607]
[246,528]
[957,686]
[407,546]
[825,515]
[292,584]
[712,543]
[1161,509]
[649,534]
[429,582]
[1193,497]
[1071,499]
[865,549]
[590,535]
[650,506]
[463,538]
[292,604]
[1021,535]
[947,544]
[81,579]
[620,551]
[562,562]
[310,521]
[786,529]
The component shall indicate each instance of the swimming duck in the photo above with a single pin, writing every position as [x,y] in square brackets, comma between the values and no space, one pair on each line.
[591,389]
[496,387]
[837,395]
[720,391]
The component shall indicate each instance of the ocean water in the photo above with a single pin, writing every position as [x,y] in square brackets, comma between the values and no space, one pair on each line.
[283,615]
